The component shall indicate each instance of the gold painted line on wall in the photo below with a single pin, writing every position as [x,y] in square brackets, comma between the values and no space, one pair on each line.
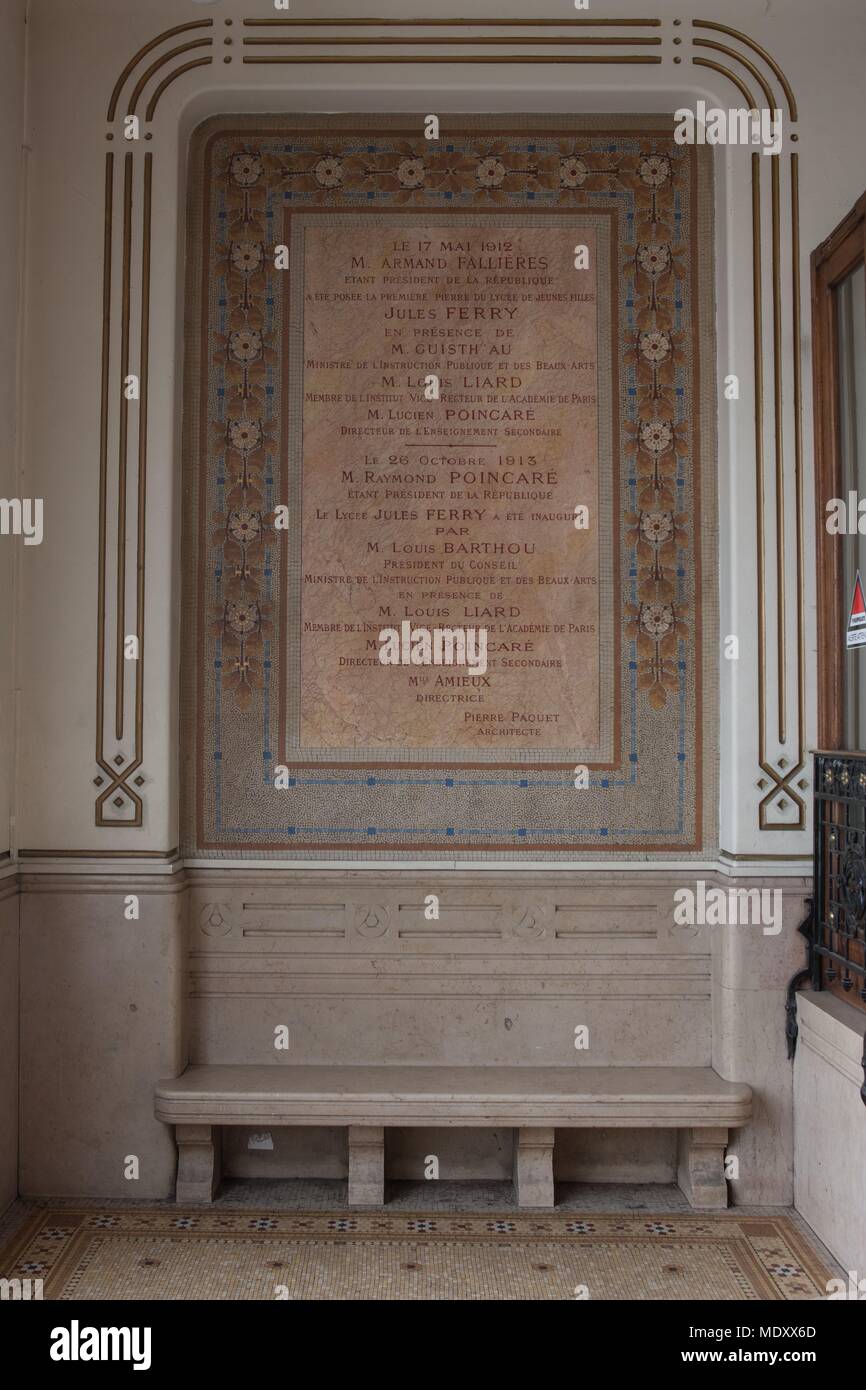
[167,81]
[455,58]
[798,460]
[160,63]
[144,367]
[408,41]
[758,338]
[337,23]
[782,781]
[781,600]
[780,787]
[148,48]
[119,672]
[103,459]
[119,779]
[459,57]
[756,48]
[746,62]
[717,67]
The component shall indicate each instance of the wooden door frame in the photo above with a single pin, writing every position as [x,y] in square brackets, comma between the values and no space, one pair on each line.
[836,257]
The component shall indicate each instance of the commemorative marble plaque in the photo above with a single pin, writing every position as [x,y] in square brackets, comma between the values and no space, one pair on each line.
[450,479]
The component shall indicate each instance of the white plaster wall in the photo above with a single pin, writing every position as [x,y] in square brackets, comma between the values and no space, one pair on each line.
[8,1044]
[78,49]
[12,550]
[13,554]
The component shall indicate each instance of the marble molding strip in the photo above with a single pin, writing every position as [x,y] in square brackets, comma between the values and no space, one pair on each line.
[473,989]
[9,887]
[822,1032]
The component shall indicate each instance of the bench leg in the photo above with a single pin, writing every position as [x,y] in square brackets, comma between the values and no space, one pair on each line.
[199,1155]
[533,1167]
[366,1166]
[701,1167]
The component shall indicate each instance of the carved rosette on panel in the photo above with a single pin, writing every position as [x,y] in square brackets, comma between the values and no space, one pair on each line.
[372,922]
[214,919]
[525,921]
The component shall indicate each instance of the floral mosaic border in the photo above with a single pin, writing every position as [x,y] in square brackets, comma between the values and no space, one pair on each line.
[314,171]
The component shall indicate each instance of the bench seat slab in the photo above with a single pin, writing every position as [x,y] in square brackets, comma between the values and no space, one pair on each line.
[466,1097]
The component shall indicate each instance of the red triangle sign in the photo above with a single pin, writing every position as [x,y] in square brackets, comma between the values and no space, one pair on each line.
[856,636]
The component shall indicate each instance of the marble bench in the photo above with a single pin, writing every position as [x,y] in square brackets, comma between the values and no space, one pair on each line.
[533,1101]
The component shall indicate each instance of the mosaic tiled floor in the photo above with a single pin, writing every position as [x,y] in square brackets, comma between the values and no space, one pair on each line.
[162,1252]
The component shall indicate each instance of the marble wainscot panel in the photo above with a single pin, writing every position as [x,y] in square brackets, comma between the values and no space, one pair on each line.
[9,901]
[830,1126]
[101,1019]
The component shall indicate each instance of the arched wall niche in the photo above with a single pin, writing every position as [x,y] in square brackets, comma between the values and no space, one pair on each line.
[741,188]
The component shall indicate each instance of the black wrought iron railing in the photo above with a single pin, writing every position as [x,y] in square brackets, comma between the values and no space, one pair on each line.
[839,904]
[835,929]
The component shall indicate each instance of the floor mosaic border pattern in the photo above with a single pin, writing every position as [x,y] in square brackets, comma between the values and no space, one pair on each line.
[159,1253]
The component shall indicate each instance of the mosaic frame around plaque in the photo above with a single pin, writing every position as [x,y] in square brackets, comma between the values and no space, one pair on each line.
[254,182]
